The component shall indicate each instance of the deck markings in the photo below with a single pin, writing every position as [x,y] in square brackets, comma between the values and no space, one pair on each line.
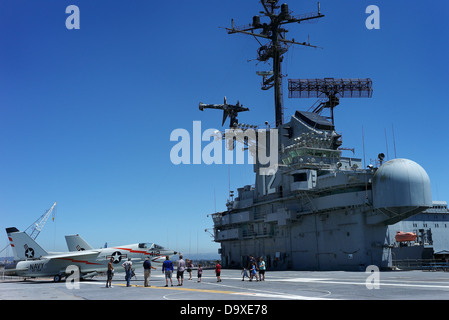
[257,293]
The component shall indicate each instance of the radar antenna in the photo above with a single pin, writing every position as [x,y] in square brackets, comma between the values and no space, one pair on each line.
[277,45]
[331,88]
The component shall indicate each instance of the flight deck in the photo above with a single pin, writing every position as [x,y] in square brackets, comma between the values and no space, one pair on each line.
[278,285]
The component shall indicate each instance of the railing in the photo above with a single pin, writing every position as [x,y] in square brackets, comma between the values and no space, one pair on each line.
[251,233]
[421,264]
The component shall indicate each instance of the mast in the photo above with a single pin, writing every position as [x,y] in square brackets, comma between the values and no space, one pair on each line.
[277,45]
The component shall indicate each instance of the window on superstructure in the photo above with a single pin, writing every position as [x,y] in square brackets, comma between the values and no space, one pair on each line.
[298,177]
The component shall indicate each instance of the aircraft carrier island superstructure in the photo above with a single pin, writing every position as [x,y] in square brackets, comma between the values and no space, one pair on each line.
[318,210]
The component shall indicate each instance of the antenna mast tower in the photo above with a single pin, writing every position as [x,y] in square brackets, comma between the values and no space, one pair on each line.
[36,227]
[277,45]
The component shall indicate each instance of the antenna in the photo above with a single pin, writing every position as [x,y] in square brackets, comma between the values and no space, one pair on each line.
[386,143]
[331,88]
[363,142]
[364,165]
[277,45]
[215,202]
[394,141]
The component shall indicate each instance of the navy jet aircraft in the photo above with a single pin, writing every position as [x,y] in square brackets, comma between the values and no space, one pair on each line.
[34,261]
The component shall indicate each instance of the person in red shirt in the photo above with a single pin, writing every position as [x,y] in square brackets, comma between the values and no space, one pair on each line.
[218,271]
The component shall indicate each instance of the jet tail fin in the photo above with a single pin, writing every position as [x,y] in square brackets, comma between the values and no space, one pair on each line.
[23,246]
[76,243]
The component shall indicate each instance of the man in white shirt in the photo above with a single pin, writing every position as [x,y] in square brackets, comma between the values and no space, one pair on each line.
[127,265]
[180,272]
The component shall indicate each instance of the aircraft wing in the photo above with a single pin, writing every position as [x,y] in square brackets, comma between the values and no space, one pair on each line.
[77,255]
[13,271]
[211,106]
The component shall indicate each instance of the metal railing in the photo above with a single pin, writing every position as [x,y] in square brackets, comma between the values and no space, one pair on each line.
[421,264]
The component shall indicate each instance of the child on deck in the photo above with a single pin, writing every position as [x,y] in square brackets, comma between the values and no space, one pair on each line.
[253,272]
[200,272]
[244,273]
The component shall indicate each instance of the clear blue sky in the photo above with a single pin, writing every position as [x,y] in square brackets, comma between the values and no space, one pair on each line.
[86,115]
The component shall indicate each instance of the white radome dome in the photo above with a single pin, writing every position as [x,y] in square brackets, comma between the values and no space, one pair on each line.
[401,183]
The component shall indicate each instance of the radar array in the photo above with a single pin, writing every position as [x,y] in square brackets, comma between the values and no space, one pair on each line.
[331,88]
